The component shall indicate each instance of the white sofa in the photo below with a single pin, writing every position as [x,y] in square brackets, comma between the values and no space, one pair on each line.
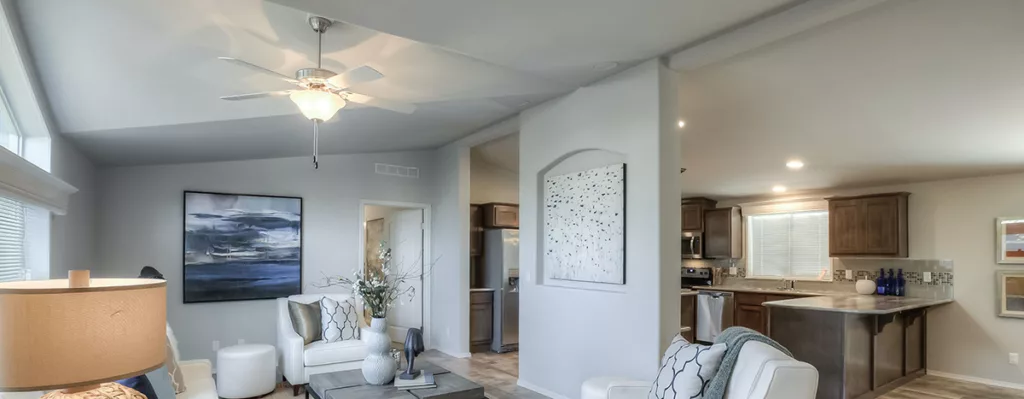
[299,361]
[761,372]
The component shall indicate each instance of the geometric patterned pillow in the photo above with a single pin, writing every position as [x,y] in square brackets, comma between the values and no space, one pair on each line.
[686,370]
[338,320]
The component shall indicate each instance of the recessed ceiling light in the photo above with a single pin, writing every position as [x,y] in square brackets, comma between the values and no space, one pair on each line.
[795,164]
[779,189]
[681,123]
[606,66]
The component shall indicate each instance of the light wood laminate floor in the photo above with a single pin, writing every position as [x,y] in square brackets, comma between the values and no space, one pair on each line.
[932,387]
[498,373]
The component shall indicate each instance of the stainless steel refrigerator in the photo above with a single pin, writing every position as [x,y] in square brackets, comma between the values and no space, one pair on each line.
[501,272]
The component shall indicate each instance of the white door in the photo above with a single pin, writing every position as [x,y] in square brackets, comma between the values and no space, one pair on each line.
[407,256]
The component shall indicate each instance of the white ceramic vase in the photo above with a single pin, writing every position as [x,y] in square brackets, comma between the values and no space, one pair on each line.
[866,287]
[378,367]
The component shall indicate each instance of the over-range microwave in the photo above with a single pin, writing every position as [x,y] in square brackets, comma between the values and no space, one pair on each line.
[693,245]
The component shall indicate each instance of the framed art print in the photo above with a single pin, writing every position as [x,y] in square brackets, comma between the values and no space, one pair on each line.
[241,247]
[1011,293]
[1010,240]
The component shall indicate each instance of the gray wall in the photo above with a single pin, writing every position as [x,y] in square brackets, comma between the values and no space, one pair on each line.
[73,235]
[571,332]
[449,293]
[140,223]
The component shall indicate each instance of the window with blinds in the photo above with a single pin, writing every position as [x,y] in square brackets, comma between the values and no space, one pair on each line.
[12,240]
[789,245]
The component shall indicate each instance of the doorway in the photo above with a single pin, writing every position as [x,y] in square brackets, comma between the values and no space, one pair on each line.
[402,228]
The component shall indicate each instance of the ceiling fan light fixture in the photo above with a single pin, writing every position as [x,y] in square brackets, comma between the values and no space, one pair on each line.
[317,104]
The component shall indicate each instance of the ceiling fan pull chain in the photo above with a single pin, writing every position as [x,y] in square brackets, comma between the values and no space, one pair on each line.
[316,143]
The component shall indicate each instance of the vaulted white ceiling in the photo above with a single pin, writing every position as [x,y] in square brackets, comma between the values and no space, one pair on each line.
[902,92]
[137,81]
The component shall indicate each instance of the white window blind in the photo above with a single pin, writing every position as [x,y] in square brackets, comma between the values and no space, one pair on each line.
[789,245]
[12,240]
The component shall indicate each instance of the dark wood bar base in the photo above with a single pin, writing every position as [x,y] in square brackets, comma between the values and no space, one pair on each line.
[858,356]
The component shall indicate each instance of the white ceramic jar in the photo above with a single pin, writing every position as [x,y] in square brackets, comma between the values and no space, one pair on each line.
[866,287]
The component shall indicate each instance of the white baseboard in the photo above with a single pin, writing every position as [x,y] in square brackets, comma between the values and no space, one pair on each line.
[460,355]
[968,378]
[537,389]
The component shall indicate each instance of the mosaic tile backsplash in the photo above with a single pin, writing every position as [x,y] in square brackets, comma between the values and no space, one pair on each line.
[940,286]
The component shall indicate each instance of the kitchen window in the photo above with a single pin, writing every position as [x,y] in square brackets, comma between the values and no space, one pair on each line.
[791,245]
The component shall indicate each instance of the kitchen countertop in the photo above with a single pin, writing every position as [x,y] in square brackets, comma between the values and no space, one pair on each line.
[480,289]
[687,292]
[771,291]
[853,303]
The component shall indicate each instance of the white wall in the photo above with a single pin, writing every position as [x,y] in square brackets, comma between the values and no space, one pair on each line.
[73,235]
[140,223]
[491,183]
[449,318]
[570,334]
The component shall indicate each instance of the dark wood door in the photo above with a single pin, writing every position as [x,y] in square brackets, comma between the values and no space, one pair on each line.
[476,230]
[845,227]
[692,217]
[881,225]
[718,233]
[751,316]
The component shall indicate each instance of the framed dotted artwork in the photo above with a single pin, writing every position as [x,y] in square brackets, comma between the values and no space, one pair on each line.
[584,225]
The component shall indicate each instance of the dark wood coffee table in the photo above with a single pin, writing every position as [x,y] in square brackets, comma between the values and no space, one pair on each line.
[351,385]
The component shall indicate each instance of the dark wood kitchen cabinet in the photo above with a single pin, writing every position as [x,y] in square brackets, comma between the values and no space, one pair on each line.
[750,312]
[723,233]
[476,230]
[500,216]
[688,317]
[692,213]
[868,225]
[751,316]
[481,320]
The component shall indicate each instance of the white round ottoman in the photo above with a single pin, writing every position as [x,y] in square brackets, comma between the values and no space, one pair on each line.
[246,371]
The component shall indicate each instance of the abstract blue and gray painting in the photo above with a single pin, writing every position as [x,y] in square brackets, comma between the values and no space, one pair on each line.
[242,247]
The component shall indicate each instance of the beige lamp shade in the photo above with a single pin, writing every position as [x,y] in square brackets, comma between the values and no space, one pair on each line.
[54,336]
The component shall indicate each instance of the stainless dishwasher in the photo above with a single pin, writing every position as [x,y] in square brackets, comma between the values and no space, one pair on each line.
[714,314]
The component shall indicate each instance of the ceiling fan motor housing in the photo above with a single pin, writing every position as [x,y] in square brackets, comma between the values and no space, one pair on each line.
[313,77]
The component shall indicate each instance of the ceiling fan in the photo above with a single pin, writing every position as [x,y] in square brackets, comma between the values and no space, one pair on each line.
[322,92]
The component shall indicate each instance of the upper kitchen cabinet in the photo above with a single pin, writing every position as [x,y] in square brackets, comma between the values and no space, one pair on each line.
[692,213]
[868,225]
[723,233]
[500,216]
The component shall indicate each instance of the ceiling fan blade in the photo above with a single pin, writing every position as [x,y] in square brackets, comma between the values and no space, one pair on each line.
[258,68]
[389,105]
[354,76]
[257,95]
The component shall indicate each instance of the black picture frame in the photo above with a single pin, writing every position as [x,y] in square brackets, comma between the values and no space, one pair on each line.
[187,298]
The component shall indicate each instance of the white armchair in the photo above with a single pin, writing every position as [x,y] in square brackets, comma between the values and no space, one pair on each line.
[299,361]
[761,372]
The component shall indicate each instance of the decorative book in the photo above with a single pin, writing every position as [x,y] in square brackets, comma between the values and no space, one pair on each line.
[422,381]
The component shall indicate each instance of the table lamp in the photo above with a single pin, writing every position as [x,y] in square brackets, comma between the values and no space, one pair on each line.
[75,336]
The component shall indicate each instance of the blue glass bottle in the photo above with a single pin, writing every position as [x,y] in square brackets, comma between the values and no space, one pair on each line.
[901,284]
[881,282]
[891,280]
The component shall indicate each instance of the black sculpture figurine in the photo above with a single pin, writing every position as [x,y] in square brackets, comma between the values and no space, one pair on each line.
[413,347]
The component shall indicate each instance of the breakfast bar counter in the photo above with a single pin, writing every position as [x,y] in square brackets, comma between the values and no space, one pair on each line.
[862,345]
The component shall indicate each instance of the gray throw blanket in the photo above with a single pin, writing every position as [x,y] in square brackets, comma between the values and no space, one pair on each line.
[734,338]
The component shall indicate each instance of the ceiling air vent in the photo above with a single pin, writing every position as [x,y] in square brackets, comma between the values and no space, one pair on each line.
[396,170]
